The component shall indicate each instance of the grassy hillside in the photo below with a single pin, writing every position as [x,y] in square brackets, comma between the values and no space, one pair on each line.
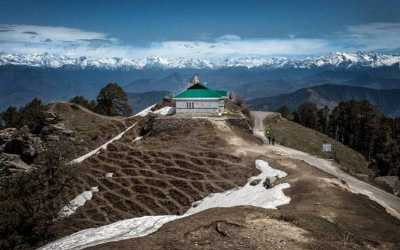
[90,129]
[295,136]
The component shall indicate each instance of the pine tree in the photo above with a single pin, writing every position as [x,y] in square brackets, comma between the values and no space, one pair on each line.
[112,100]
[307,115]
[323,119]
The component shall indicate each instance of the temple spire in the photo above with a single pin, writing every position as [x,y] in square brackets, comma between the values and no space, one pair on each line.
[195,80]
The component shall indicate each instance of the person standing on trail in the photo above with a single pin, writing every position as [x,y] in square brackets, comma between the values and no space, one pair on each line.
[268,136]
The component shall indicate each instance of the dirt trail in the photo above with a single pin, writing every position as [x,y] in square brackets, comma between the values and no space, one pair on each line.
[390,202]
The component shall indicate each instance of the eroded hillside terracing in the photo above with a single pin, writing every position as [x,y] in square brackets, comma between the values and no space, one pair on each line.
[163,164]
[160,166]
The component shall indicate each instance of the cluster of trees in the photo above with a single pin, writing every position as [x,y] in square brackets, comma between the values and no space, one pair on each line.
[111,100]
[30,202]
[359,125]
[31,115]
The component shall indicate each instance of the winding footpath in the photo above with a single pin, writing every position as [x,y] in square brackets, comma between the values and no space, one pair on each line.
[389,201]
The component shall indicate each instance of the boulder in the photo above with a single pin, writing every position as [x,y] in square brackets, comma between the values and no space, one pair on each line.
[60,128]
[25,144]
[12,163]
[269,181]
[51,117]
[6,135]
[255,182]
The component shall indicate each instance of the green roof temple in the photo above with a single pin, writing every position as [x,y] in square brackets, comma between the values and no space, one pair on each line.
[199,99]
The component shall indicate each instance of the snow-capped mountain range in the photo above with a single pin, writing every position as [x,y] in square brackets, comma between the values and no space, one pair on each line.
[339,59]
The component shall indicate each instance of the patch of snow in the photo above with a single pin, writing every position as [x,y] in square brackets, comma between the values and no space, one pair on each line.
[145,111]
[165,111]
[109,175]
[77,202]
[80,159]
[137,139]
[254,195]
[162,111]
[120,230]
[102,147]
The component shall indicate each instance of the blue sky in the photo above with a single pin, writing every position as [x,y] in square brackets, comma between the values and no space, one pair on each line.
[198,28]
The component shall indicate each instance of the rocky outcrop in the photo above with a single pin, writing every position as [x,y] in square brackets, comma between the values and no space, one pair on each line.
[24,144]
[6,135]
[58,128]
[20,148]
[12,163]
[145,125]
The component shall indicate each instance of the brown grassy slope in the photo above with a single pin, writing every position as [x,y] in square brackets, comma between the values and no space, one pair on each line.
[322,214]
[176,163]
[295,136]
[90,129]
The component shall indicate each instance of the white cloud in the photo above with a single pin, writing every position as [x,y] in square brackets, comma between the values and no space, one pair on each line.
[69,41]
[76,42]
[241,47]
[39,34]
[372,36]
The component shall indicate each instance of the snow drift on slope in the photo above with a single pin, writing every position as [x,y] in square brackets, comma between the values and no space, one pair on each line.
[250,194]
[102,147]
[144,112]
[77,202]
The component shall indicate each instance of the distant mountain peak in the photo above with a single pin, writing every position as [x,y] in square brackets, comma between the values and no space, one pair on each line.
[338,59]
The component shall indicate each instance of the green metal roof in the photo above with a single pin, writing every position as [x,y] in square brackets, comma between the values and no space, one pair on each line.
[200,91]
[222,92]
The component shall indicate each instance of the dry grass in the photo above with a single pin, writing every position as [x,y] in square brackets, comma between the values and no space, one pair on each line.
[90,130]
[178,162]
